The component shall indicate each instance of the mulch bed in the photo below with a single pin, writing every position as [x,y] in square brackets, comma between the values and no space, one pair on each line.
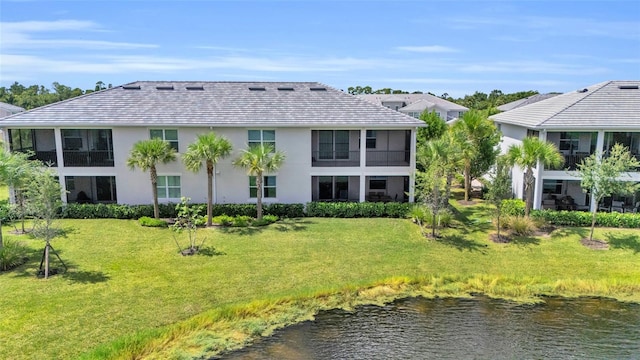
[595,244]
[499,240]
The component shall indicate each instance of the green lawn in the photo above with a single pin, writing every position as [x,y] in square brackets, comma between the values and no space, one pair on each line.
[4,192]
[126,280]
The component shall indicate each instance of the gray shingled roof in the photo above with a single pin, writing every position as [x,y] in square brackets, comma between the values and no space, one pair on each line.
[420,105]
[526,101]
[10,108]
[411,98]
[198,103]
[611,104]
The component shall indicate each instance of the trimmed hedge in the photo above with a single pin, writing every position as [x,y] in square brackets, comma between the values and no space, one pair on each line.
[353,209]
[583,219]
[513,207]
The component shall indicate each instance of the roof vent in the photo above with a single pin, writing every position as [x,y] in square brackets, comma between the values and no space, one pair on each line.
[318,89]
[285,89]
[131,87]
[257,89]
[195,87]
[170,87]
[628,87]
[583,90]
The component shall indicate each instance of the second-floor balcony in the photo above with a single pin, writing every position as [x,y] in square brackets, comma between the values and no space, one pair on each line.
[335,158]
[388,158]
[47,157]
[87,158]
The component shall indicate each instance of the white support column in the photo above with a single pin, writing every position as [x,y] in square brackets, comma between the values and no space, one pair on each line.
[363,163]
[537,190]
[412,159]
[599,149]
[59,154]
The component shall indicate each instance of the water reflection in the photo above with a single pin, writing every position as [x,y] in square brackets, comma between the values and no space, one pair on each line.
[478,328]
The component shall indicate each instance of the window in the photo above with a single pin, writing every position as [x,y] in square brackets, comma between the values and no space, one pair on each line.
[169,135]
[21,139]
[333,187]
[569,141]
[378,183]
[71,139]
[334,144]
[414,114]
[268,187]
[262,137]
[371,139]
[169,187]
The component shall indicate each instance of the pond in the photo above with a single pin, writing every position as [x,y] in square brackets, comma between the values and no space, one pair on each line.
[478,328]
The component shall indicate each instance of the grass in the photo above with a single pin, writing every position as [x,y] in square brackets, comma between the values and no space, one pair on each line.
[128,294]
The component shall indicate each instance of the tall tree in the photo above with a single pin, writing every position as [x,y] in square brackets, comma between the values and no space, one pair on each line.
[146,154]
[208,149]
[602,176]
[478,139]
[436,126]
[259,160]
[527,156]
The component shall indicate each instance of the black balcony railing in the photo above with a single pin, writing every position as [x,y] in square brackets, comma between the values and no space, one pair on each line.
[87,158]
[388,158]
[571,161]
[47,157]
[335,158]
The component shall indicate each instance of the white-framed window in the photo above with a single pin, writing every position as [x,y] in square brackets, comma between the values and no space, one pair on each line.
[378,183]
[262,137]
[268,187]
[169,187]
[371,139]
[414,114]
[169,135]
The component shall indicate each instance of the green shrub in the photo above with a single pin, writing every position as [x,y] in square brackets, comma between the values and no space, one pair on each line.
[513,207]
[581,218]
[353,209]
[12,254]
[224,220]
[152,222]
[241,221]
[418,214]
[443,219]
[266,220]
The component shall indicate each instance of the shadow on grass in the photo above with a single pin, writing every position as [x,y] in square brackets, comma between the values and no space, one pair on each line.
[525,240]
[85,277]
[292,225]
[571,231]
[210,251]
[246,230]
[624,241]
[460,243]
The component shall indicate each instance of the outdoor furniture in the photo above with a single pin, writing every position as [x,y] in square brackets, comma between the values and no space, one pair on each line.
[617,206]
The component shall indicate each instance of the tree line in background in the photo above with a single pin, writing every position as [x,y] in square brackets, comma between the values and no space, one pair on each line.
[477,101]
[33,96]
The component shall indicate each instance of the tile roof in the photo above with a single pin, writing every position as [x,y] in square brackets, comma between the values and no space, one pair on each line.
[526,101]
[10,108]
[611,104]
[411,98]
[420,105]
[221,104]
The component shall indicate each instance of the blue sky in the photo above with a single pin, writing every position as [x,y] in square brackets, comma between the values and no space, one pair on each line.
[454,47]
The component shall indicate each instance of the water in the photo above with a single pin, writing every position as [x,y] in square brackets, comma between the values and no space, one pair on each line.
[478,328]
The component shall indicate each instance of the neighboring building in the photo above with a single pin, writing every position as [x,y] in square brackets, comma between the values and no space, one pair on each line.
[8,109]
[338,147]
[415,104]
[579,123]
[526,101]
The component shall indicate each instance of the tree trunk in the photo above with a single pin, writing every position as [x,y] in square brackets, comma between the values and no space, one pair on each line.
[448,189]
[1,242]
[529,183]
[467,181]
[259,196]
[154,188]
[498,225]
[593,223]
[46,260]
[209,193]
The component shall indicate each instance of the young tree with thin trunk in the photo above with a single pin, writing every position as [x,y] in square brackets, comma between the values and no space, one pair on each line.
[146,154]
[527,156]
[16,171]
[208,149]
[259,160]
[602,176]
[431,183]
[45,199]
[499,189]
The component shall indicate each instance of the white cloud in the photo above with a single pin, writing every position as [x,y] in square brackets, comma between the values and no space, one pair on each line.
[23,35]
[427,49]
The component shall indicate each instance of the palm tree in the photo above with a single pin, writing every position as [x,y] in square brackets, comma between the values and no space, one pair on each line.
[208,148]
[527,156]
[477,139]
[259,160]
[146,154]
